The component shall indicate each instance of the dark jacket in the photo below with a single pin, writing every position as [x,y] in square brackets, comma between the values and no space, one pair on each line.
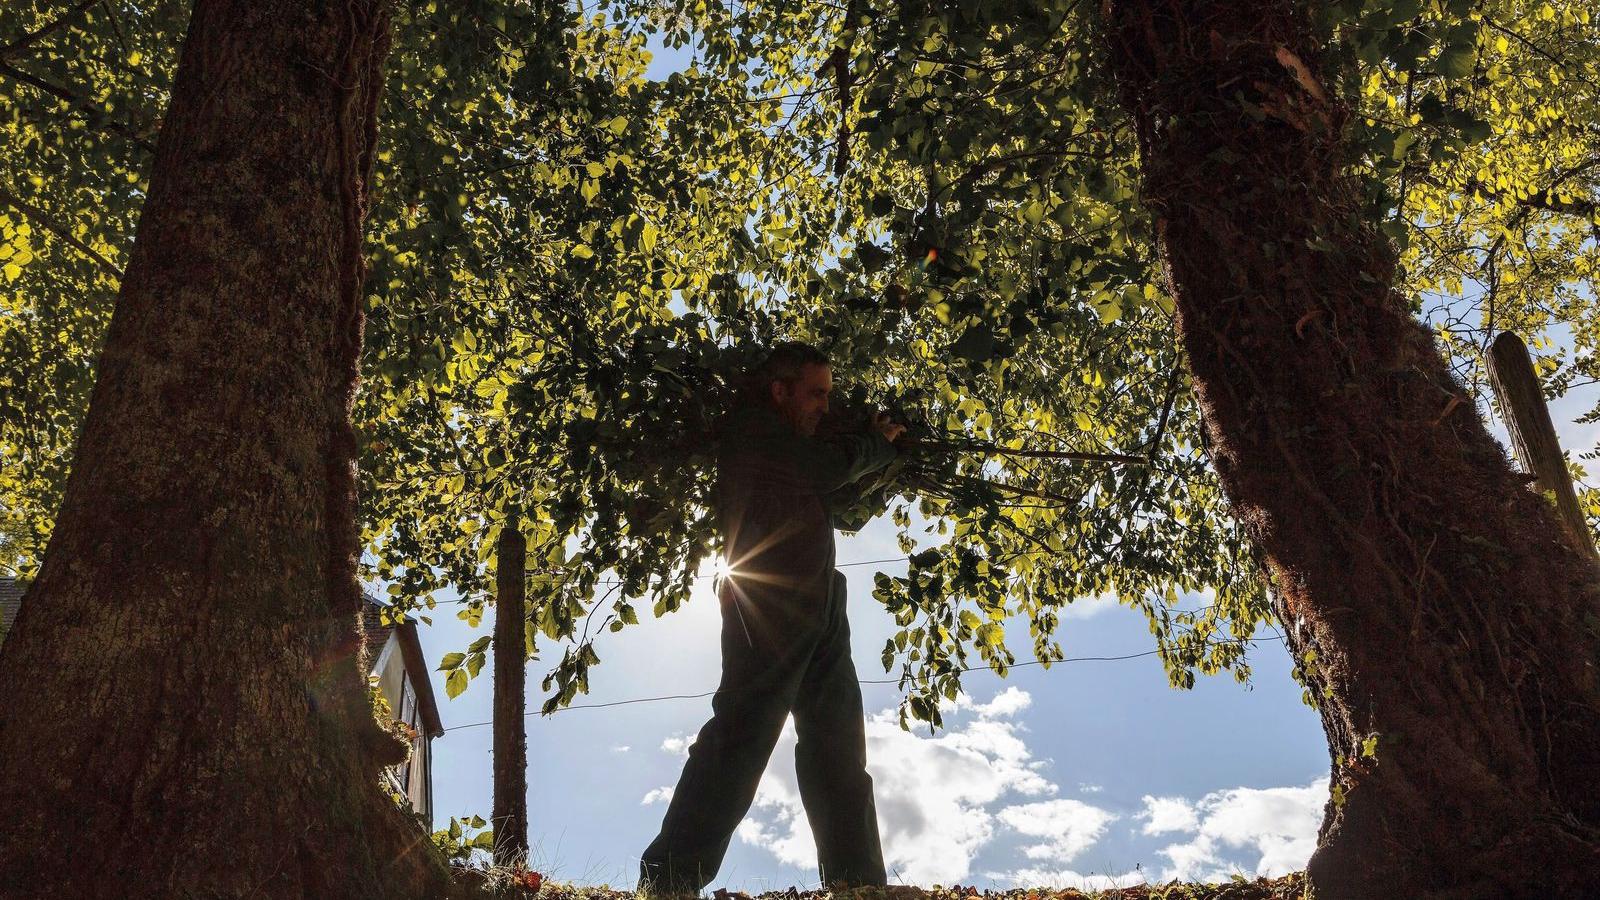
[774,490]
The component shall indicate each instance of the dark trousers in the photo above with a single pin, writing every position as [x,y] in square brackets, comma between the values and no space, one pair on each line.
[780,655]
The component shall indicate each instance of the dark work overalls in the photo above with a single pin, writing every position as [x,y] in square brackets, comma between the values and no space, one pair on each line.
[785,649]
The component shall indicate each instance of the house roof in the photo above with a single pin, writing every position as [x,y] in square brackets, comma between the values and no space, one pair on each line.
[10,602]
[373,626]
[410,653]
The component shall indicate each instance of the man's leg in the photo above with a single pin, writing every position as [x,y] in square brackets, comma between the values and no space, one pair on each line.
[831,759]
[762,664]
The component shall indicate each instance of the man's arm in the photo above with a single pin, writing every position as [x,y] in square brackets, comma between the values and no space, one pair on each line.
[827,465]
[761,447]
[874,454]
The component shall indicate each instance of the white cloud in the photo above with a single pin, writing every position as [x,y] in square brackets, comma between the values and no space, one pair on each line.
[1100,604]
[934,795]
[1089,607]
[1164,814]
[943,799]
[1057,879]
[1007,703]
[621,748]
[1278,826]
[1252,831]
[1085,787]
[780,826]
[1068,827]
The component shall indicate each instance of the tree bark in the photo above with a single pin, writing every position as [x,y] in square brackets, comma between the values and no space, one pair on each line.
[1533,435]
[510,818]
[194,721]
[1436,611]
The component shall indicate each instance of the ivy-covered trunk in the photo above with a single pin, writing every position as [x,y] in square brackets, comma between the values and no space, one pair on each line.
[510,818]
[1444,627]
[185,712]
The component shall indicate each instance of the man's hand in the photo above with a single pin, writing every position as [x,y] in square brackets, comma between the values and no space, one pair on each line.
[891,431]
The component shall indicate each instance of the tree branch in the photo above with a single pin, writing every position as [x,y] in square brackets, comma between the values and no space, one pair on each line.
[45,221]
[84,105]
[980,447]
[32,37]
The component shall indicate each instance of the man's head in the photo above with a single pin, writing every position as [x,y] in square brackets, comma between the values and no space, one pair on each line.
[796,380]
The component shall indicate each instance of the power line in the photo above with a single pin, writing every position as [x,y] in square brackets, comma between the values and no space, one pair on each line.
[1252,641]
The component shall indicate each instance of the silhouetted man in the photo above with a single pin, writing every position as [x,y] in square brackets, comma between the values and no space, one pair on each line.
[785,639]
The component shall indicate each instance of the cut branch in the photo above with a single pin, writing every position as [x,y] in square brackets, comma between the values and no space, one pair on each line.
[991,449]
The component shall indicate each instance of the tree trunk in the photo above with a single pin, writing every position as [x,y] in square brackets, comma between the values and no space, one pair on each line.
[1435,608]
[194,720]
[510,818]
[1533,435]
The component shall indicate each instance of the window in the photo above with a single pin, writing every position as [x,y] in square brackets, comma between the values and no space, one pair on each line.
[408,710]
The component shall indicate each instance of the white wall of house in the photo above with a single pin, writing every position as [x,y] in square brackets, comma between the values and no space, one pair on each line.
[395,684]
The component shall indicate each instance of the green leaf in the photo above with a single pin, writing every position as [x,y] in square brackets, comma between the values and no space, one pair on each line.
[450,661]
[456,683]
[1456,60]
[976,344]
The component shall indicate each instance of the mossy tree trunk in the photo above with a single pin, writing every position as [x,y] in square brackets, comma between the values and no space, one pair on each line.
[510,817]
[186,713]
[1441,620]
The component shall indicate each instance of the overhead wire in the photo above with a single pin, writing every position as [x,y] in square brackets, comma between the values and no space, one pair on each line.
[637,700]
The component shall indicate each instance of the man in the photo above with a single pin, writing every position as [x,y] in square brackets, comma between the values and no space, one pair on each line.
[785,639]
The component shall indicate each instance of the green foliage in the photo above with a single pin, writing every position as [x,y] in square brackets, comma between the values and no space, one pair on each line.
[79,106]
[570,263]
[457,843]
[463,666]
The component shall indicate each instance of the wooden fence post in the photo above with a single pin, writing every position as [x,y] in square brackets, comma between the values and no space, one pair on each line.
[1533,435]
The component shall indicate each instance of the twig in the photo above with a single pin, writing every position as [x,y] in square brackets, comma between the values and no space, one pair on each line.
[29,39]
[85,106]
[980,447]
[44,221]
